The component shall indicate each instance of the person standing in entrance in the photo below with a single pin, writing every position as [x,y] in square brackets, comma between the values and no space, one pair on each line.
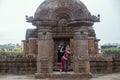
[64,60]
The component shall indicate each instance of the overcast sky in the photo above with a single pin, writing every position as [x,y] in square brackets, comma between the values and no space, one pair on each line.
[13,24]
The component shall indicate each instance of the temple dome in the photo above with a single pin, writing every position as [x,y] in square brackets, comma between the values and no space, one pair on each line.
[59,9]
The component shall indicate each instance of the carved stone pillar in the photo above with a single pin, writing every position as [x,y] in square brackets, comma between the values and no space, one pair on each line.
[81,61]
[91,45]
[25,47]
[45,55]
[96,46]
[32,42]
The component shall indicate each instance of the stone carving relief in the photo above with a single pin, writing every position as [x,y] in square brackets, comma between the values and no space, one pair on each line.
[81,37]
[62,23]
[44,36]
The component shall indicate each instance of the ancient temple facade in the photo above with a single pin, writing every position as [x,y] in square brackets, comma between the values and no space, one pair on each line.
[58,23]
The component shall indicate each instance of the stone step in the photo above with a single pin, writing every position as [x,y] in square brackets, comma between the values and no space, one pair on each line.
[64,76]
[58,68]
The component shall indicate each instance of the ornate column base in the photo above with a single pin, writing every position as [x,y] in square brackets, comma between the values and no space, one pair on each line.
[64,75]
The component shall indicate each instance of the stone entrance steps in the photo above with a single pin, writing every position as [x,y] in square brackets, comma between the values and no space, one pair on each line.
[58,67]
[64,76]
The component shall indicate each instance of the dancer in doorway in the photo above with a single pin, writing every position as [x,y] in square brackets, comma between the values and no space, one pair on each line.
[60,53]
[64,60]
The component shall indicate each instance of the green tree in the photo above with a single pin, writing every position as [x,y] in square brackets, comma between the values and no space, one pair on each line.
[16,51]
[111,51]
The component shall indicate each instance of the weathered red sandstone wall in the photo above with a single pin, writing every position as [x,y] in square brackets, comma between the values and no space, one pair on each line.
[17,64]
[27,64]
[30,47]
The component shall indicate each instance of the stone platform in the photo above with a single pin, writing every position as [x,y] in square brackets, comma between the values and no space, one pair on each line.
[64,75]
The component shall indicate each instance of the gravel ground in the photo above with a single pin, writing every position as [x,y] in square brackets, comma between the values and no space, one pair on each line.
[114,76]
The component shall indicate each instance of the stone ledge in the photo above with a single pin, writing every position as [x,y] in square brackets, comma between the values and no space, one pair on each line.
[65,75]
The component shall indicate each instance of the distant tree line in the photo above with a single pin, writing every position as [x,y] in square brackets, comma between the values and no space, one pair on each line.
[111,51]
[16,51]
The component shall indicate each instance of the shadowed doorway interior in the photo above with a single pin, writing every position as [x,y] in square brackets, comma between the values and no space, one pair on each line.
[60,43]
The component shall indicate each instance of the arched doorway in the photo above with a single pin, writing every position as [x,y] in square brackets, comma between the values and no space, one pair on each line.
[58,44]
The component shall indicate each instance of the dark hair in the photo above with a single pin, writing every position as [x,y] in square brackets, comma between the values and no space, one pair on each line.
[64,47]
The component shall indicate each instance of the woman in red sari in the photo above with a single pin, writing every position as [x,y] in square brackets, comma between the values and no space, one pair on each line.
[64,60]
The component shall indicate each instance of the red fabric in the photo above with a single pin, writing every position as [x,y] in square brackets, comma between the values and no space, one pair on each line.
[62,63]
[66,54]
[63,60]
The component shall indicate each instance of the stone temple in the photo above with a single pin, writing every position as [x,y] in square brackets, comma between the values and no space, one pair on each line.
[61,22]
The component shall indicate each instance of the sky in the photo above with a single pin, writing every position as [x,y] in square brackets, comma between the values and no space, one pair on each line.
[13,24]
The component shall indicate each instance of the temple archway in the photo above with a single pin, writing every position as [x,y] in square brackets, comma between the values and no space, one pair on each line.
[60,22]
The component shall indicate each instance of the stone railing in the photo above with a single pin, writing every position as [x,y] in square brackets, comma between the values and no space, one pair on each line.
[100,64]
[116,63]
[104,63]
[27,64]
[17,64]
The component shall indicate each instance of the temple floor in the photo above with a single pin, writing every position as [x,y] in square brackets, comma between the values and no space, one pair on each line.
[114,76]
